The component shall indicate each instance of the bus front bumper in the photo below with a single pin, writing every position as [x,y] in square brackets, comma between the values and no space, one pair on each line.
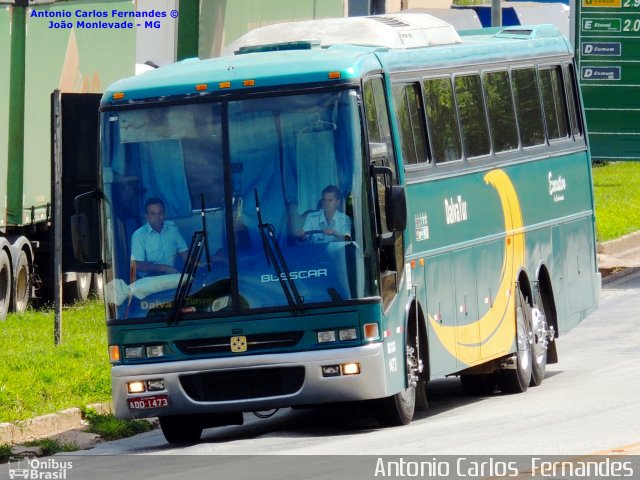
[237,384]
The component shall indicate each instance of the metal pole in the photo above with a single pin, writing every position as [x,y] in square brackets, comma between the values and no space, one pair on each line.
[496,13]
[57,215]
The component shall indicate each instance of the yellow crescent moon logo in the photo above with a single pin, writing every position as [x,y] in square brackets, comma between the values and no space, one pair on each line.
[497,326]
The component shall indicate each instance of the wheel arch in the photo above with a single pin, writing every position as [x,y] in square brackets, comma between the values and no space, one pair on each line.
[17,245]
[545,289]
[414,307]
[524,285]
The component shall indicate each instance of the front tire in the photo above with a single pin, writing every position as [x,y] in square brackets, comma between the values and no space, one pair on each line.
[181,428]
[516,380]
[398,409]
[78,290]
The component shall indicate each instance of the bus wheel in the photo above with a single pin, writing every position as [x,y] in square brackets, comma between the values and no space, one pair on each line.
[181,428]
[22,284]
[5,284]
[539,346]
[479,385]
[98,286]
[398,409]
[515,378]
[78,290]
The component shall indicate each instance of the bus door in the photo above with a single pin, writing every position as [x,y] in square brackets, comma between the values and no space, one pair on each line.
[390,246]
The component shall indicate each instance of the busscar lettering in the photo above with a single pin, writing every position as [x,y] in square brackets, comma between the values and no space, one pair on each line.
[299,275]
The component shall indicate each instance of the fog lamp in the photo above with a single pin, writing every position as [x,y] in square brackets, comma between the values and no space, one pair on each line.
[350,368]
[155,385]
[135,387]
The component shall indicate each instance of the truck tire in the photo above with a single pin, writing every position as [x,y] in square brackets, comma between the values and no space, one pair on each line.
[22,283]
[5,284]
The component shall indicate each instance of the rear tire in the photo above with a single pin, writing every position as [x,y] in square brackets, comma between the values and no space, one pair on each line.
[181,428]
[539,347]
[517,380]
[5,284]
[22,283]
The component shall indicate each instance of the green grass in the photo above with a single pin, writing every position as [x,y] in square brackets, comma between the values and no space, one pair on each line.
[51,446]
[37,378]
[617,195]
[111,428]
[5,452]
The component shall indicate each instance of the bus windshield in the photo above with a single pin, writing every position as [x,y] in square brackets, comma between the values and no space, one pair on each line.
[169,171]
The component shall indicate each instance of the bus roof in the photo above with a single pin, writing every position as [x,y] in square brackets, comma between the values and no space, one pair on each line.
[306,62]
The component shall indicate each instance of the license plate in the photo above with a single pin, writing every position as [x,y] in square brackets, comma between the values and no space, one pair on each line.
[155,401]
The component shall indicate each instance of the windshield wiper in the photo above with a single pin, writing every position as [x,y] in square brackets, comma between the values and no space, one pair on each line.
[199,242]
[274,257]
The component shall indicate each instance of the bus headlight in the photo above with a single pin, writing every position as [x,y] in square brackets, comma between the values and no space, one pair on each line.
[327,336]
[347,334]
[134,352]
[155,351]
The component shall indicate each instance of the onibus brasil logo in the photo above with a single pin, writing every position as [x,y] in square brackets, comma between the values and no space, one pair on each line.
[36,469]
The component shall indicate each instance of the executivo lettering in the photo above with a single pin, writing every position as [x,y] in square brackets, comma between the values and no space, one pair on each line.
[556,187]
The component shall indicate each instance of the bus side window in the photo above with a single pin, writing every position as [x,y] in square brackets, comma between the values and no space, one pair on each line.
[502,117]
[528,109]
[553,101]
[475,133]
[442,122]
[409,113]
[574,104]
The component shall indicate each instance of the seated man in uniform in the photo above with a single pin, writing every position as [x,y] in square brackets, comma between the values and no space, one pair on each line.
[327,224]
[155,245]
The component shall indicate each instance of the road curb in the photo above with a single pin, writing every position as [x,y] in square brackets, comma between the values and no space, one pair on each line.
[47,425]
[620,245]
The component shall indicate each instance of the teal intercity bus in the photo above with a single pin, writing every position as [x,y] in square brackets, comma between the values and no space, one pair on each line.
[461,239]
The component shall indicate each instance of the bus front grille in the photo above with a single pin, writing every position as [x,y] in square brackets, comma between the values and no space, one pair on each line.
[255,343]
[243,384]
